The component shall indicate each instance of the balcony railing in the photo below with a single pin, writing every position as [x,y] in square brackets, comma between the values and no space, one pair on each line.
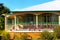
[32,27]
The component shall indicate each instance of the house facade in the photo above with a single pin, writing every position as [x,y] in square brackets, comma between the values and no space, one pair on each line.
[32,20]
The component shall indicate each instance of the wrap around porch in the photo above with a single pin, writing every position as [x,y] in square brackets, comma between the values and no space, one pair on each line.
[31,21]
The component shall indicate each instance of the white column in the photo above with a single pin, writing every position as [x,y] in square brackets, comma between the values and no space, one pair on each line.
[15,21]
[36,21]
[59,19]
[5,23]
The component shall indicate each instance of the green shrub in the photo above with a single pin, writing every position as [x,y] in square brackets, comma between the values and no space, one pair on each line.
[45,35]
[16,38]
[57,31]
[24,36]
[4,35]
[54,36]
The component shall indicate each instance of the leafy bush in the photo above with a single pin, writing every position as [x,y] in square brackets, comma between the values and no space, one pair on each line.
[57,31]
[4,35]
[45,35]
[16,38]
[23,37]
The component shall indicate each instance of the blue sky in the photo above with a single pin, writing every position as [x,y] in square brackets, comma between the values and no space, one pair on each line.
[19,4]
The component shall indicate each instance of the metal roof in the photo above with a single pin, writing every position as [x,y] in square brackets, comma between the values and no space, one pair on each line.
[48,6]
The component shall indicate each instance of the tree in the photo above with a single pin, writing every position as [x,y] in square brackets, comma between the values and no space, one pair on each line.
[3,10]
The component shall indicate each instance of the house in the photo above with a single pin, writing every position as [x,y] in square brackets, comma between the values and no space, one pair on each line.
[35,18]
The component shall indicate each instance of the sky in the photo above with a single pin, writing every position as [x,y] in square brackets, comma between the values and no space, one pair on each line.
[20,4]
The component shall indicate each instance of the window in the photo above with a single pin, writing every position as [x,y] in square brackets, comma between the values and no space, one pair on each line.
[44,18]
[9,21]
[28,18]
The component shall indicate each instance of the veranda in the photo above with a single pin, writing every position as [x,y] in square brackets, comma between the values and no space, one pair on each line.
[31,20]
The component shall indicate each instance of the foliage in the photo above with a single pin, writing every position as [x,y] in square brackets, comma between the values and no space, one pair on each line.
[16,38]
[57,31]
[4,35]
[23,37]
[1,22]
[3,10]
[46,35]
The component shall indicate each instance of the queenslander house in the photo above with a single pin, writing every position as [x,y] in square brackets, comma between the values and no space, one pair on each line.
[34,18]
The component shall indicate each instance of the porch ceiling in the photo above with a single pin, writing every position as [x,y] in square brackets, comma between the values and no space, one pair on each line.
[34,13]
[12,17]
